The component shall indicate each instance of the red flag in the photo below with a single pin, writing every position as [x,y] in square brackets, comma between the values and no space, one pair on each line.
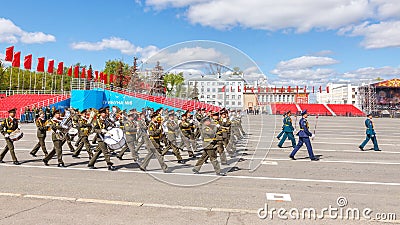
[223,89]
[259,89]
[50,67]
[60,68]
[245,88]
[313,91]
[89,74]
[231,89]
[9,54]
[83,73]
[297,89]
[275,90]
[320,89]
[76,72]
[105,78]
[16,62]
[28,62]
[305,89]
[266,89]
[252,89]
[289,89]
[327,89]
[282,89]
[40,65]
[111,78]
[101,77]
[96,73]
[70,71]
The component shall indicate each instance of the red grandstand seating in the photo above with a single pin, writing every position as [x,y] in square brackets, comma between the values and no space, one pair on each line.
[280,108]
[316,109]
[345,110]
[20,101]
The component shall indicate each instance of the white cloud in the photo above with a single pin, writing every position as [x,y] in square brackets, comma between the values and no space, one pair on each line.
[380,35]
[188,54]
[387,8]
[116,43]
[10,33]
[304,62]
[386,72]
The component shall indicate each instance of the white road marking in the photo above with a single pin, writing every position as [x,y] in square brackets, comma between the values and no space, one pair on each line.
[348,151]
[209,175]
[268,162]
[341,161]
[129,203]
[278,197]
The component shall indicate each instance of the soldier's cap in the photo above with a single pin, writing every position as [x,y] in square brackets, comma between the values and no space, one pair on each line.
[132,115]
[171,114]
[304,112]
[14,110]
[154,115]
[56,112]
[84,111]
[203,109]
[206,119]
[369,114]
[288,112]
[41,112]
[215,114]
[187,112]
[185,115]
[102,110]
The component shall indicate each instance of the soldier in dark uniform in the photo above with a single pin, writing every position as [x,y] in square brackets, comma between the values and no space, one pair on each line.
[48,113]
[371,134]
[187,133]
[154,148]
[225,130]
[170,139]
[219,139]
[208,134]
[84,130]
[8,126]
[57,137]
[288,129]
[101,126]
[42,128]
[130,129]
[304,137]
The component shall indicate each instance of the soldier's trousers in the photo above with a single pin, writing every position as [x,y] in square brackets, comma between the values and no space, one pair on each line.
[78,141]
[101,148]
[304,140]
[56,150]
[374,141]
[9,147]
[171,144]
[291,138]
[153,150]
[130,144]
[221,151]
[208,153]
[186,142]
[68,140]
[40,144]
[84,141]
[141,142]
[280,134]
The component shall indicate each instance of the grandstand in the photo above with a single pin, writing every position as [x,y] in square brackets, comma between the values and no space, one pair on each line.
[345,110]
[318,109]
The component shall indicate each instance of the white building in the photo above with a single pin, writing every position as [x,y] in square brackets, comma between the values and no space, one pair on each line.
[339,94]
[226,91]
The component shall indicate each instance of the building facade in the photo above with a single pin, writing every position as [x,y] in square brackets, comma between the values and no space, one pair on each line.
[339,94]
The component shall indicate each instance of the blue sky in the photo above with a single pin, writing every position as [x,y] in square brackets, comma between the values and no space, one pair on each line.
[292,41]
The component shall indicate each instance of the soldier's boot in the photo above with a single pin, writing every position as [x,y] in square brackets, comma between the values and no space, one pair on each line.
[217,168]
[35,150]
[196,169]
[224,161]
[191,154]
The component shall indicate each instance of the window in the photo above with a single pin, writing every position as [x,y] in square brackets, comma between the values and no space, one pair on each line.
[208,83]
[239,103]
[239,96]
[201,96]
[233,103]
[213,83]
[190,83]
[233,97]
[208,89]
[213,90]
[202,89]
[227,102]
[213,96]
[227,97]
[208,96]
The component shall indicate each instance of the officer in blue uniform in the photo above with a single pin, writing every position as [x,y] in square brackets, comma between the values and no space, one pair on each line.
[283,126]
[288,130]
[370,132]
[304,137]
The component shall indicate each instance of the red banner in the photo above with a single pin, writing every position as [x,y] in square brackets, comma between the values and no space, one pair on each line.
[83,73]
[76,72]
[69,71]
[16,62]
[50,67]
[40,66]
[60,68]
[28,62]
[9,54]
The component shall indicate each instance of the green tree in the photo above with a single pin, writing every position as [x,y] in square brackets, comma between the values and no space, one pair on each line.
[172,81]
[121,70]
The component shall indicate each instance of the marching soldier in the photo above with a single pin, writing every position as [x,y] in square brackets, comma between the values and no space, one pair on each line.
[225,130]
[208,134]
[57,137]
[101,126]
[130,128]
[84,129]
[288,129]
[142,132]
[187,133]
[371,134]
[41,135]
[170,139]
[219,139]
[283,127]
[304,137]
[154,148]
[8,126]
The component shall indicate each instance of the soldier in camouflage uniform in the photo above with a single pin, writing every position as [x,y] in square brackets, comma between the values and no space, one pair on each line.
[170,139]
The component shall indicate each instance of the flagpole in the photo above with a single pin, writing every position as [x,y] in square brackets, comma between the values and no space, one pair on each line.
[51,75]
[11,77]
[23,80]
[30,80]
[34,88]
[18,80]
[62,82]
[55,82]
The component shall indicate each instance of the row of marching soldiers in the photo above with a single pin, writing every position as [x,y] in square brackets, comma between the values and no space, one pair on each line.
[158,131]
